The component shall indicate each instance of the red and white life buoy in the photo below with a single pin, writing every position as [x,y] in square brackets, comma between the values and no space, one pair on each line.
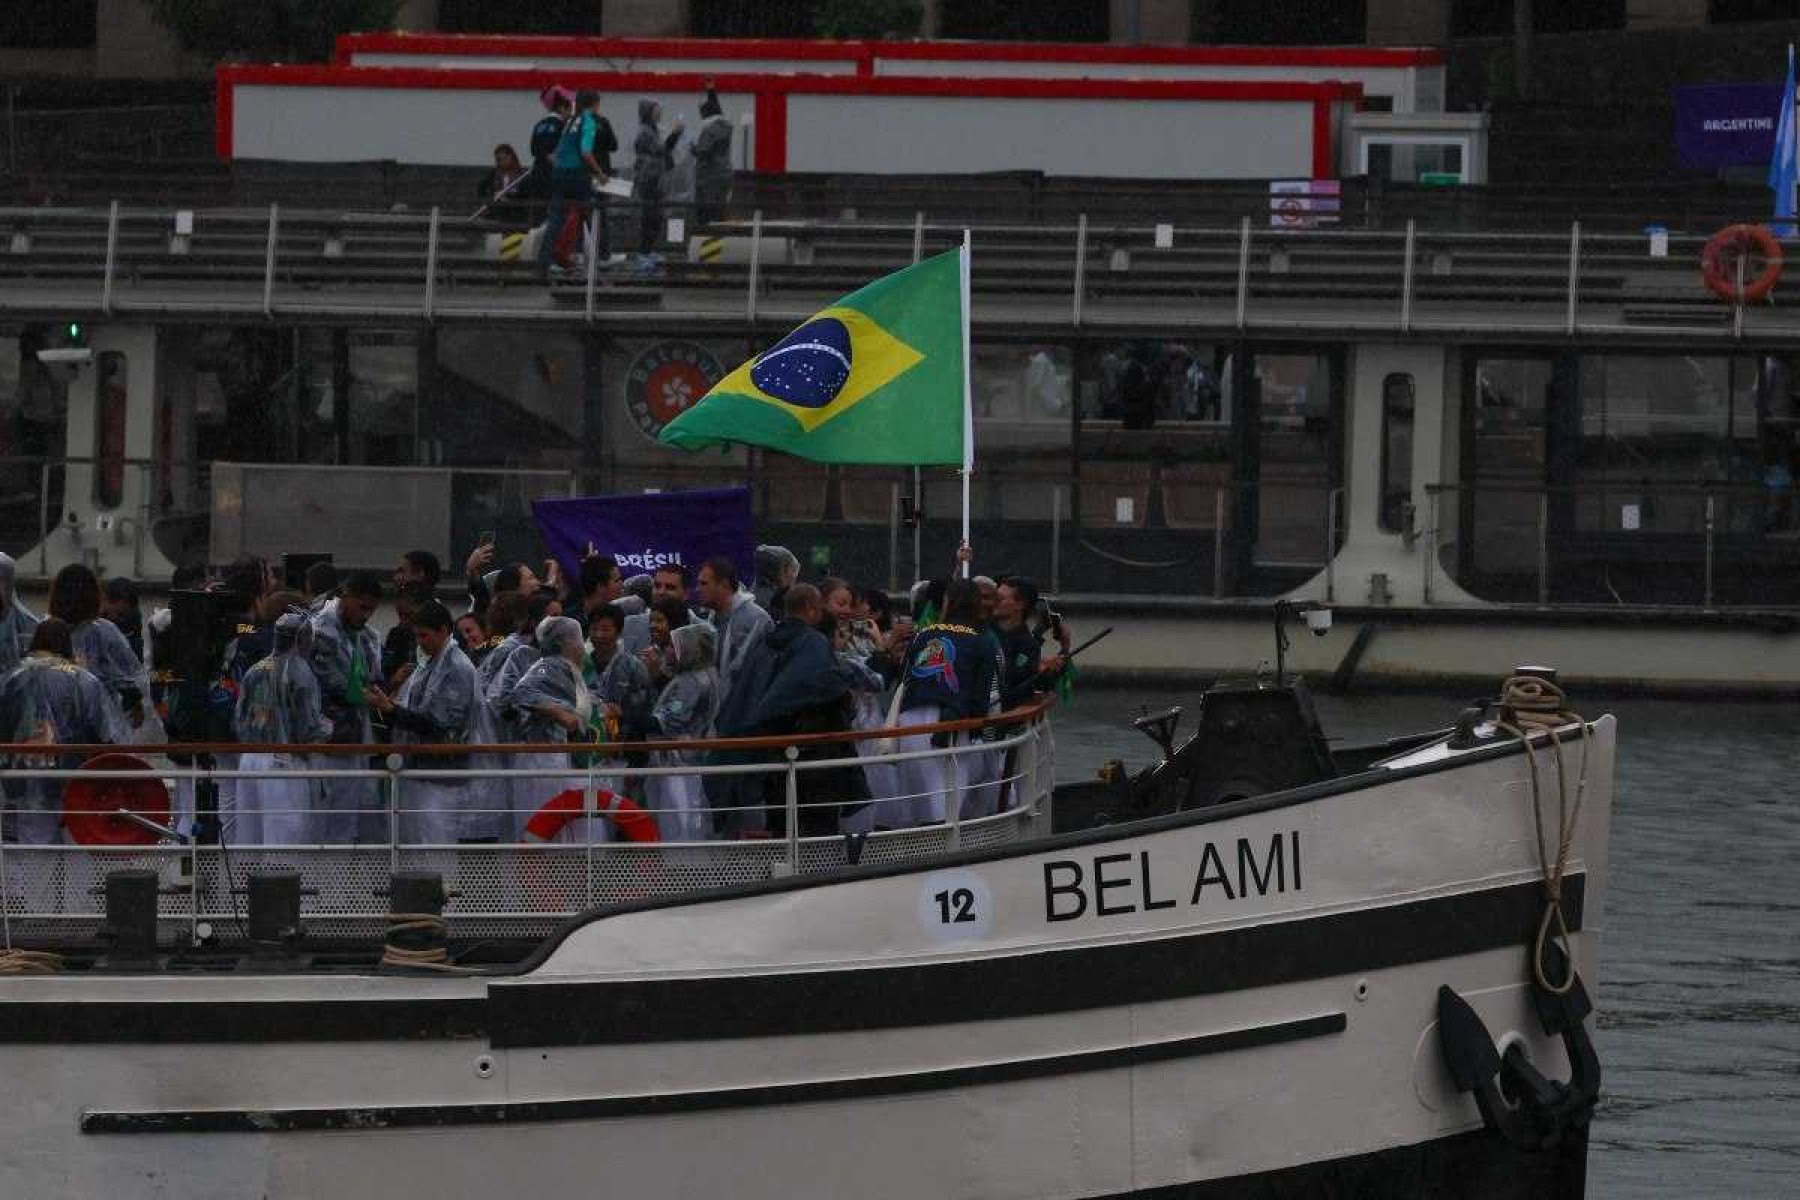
[632,822]
[91,807]
[1735,244]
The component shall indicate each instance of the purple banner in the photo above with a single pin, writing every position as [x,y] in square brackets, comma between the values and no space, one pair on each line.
[1726,124]
[645,531]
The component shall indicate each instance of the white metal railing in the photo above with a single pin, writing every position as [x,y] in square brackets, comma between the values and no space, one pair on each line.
[512,889]
[427,266]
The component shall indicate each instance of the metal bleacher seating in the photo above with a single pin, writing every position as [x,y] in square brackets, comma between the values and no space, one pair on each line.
[381,240]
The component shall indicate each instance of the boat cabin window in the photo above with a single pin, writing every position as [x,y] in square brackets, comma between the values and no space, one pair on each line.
[1416,160]
[1396,452]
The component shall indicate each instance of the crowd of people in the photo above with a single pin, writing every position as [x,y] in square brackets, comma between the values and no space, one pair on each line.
[587,675]
[572,148]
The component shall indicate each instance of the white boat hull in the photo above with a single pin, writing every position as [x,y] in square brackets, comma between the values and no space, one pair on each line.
[1241,995]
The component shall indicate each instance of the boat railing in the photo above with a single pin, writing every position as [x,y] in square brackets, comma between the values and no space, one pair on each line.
[423,267]
[982,792]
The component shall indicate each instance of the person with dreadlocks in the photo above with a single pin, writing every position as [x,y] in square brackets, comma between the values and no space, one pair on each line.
[279,704]
[951,672]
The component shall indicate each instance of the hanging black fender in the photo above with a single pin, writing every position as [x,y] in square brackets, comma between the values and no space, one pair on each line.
[1515,1098]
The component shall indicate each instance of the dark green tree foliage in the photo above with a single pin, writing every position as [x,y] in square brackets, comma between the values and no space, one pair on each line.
[870,18]
[269,30]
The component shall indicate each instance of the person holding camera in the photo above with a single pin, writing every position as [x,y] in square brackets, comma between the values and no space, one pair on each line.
[437,705]
[1027,671]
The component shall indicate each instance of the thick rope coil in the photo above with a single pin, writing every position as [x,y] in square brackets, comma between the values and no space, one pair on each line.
[435,959]
[29,962]
[1530,706]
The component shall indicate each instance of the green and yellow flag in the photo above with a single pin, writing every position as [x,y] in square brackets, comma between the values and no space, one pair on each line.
[879,377]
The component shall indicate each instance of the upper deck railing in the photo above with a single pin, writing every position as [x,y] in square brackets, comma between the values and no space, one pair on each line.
[405,269]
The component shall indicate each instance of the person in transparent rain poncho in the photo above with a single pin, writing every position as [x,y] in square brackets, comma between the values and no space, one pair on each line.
[436,706]
[16,621]
[279,705]
[47,698]
[551,703]
[100,648]
[855,644]
[684,712]
[490,795]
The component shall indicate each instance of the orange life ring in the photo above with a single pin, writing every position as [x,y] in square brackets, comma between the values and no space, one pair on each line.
[632,822]
[91,806]
[1735,243]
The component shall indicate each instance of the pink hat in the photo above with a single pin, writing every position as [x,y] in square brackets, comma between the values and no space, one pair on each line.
[556,94]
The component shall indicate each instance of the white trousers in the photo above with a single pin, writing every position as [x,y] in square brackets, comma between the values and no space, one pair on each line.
[351,809]
[920,782]
[37,815]
[981,782]
[679,802]
[530,793]
[274,812]
[432,812]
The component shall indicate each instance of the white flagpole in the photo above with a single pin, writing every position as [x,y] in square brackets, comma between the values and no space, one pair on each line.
[968,463]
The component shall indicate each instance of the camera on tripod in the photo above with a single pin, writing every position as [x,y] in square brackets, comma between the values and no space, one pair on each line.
[201,625]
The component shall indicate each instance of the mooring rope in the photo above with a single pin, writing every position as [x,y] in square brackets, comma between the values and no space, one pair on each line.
[436,958]
[29,962]
[1528,706]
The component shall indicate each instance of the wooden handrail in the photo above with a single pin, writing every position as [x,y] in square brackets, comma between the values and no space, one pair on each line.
[1022,715]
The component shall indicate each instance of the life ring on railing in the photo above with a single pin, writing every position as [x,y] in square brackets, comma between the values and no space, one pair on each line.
[545,880]
[632,822]
[1732,244]
[91,806]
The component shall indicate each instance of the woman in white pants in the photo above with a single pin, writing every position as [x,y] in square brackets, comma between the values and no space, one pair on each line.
[685,711]
[551,703]
[951,672]
[278,704]
[435,707]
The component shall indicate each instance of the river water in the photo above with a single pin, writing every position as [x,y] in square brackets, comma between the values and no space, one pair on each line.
[1699,995]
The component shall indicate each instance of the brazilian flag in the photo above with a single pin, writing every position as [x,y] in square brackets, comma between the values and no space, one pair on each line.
[879,377]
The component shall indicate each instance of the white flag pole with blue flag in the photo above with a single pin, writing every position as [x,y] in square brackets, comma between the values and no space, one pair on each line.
[1784,172]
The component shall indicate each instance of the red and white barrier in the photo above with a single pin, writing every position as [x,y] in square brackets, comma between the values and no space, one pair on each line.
[1410,79]
[1189,129]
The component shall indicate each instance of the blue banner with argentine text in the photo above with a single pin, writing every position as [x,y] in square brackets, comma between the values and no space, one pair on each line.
[1726,125]
[644,531]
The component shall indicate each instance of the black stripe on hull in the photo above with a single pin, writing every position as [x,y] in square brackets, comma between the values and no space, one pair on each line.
[302,1120]
[797,1003]
[1480,1165]
[1024,985]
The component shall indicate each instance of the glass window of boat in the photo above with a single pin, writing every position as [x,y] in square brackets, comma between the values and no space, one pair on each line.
[1149,382]
[1411,160]
[1155,421]
[1506,400]
[1658,432]
[1396,452]
[1298,449]
[111,401]
[34,410]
